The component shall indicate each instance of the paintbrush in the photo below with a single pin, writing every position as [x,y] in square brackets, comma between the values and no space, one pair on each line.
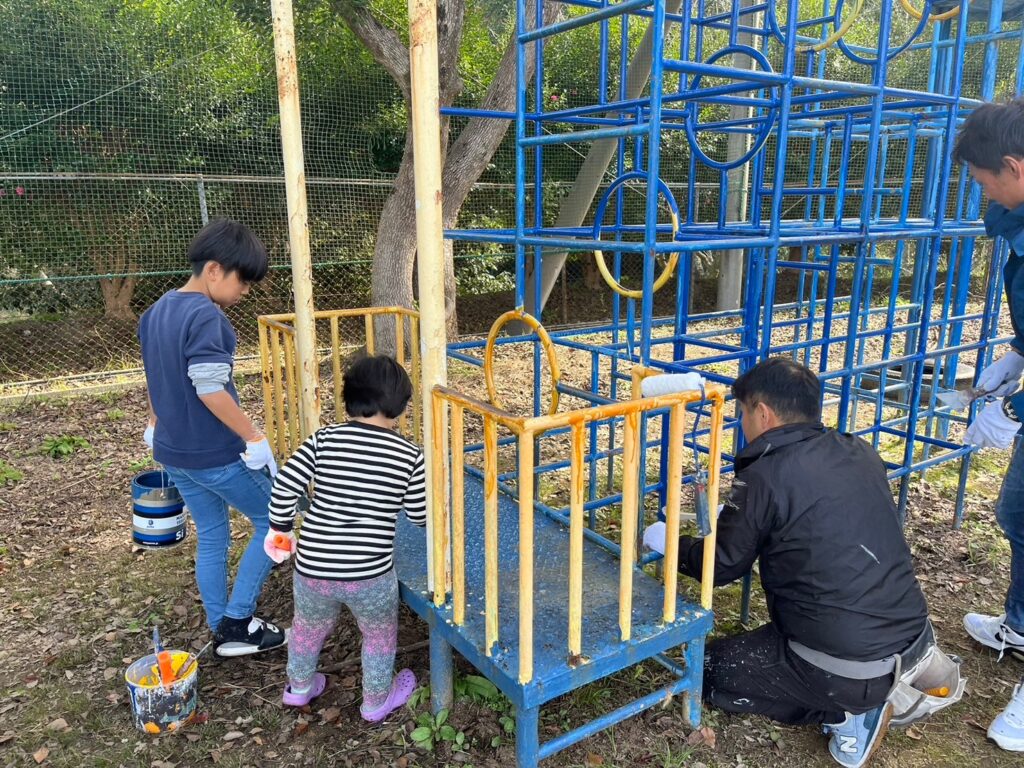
[190,662]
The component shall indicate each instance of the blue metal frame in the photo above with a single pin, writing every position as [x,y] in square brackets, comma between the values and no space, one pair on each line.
[858,231]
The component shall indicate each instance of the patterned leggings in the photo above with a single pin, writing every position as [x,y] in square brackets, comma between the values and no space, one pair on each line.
[318,603]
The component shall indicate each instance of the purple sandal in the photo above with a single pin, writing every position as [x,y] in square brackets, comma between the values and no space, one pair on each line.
[402,688]
[302,699]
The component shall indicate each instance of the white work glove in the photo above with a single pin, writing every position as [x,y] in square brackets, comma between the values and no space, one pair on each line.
[258,455]
[654,537]
[992,428]
[279,545]
[147,436]
[1003,376]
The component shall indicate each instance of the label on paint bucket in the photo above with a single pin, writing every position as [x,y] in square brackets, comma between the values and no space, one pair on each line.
[158,525]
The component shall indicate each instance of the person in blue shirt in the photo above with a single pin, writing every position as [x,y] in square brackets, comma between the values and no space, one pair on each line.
[991,142]
[211,450]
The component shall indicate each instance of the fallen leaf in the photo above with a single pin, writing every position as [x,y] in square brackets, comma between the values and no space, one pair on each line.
[109,673]
[181,610]
[331,714]
[40,754]
[193,737]
[7,737]
[232,735]
[215,755]
[703,735]
[914,734]
[300,728]
[59,724]
[594,759]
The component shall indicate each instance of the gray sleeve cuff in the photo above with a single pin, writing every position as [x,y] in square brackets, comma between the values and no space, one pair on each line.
[208,378]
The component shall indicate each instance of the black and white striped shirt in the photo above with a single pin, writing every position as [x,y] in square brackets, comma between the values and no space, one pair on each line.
[362,475]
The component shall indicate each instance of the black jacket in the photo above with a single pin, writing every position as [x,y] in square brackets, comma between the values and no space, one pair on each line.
[815,506]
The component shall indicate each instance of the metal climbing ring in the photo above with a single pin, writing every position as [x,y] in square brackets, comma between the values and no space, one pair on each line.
[602,267]
[836,36]
[952,13]
[766,122]
[545,340]
[890,53]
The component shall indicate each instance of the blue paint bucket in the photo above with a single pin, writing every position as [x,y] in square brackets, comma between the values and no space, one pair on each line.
[158,511]
[159,708]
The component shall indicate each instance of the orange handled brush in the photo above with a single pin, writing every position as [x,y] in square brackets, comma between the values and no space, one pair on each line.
[281,541]
[163,661]
[942,692]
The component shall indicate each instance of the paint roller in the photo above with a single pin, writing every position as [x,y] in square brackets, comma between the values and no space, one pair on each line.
[670,384]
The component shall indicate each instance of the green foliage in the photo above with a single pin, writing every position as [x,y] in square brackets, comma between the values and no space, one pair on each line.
[433,729]
[8,474]
[7,426]
[63,446]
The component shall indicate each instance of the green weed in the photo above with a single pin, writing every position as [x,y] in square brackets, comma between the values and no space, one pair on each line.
[63,446]
[9,474]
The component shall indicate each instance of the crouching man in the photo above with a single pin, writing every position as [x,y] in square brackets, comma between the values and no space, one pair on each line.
[847,614]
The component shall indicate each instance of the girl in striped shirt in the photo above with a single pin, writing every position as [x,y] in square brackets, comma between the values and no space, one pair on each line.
[363,473]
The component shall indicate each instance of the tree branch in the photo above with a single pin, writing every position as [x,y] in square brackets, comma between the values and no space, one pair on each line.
[480,137]
[385,44]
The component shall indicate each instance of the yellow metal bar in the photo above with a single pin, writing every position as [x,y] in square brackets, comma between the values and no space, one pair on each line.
[707,576]
[368,323]
[514,423]
[293,393]
[336,367]
[576,541]
[268,390]
[674,480]
[458,518]
[526,557]
[438,507]
[281,426]
[400,358]
[490,534]
[630,499]
[414,344]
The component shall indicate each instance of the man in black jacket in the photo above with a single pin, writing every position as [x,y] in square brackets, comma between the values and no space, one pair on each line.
[815,507]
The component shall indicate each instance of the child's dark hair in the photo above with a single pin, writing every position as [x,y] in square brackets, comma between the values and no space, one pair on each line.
[990,133]
[784,385]
[232,245]
[376,384]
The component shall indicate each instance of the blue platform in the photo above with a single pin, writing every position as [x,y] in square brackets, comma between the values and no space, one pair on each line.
[603,653]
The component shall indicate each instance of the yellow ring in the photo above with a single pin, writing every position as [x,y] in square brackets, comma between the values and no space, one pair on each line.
[836,36]
[545,340]
[952,13]
[663,278]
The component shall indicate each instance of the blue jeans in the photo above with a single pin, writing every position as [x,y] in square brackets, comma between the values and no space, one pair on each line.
[207,494]
[1010,514]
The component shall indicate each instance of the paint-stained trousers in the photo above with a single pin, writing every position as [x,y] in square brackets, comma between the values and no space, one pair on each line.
[757,673]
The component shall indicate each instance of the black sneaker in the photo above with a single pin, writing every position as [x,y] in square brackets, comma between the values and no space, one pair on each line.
[242,637]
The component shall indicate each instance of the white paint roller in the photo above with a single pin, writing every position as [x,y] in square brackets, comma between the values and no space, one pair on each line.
[671,383]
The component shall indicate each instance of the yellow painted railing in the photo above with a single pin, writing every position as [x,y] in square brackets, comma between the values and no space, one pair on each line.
[450,571]
[280,374]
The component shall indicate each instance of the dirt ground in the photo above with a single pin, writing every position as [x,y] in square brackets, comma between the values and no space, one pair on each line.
[77,604]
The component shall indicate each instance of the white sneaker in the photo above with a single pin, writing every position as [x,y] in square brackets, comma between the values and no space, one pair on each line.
[993,632]
[1007,730]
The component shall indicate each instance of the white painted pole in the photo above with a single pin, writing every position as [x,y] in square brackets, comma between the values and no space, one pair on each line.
[298,232]
[426,133]
[426,136]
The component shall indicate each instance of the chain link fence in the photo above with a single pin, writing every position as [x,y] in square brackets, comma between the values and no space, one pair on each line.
[125,126]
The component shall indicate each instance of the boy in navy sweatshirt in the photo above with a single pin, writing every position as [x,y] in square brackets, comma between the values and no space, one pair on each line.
[210,449]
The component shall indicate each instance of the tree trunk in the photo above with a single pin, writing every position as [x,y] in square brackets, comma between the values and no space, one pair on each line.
[464,161]
[117,297]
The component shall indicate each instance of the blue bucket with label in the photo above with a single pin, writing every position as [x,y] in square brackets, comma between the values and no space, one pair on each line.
[158,511]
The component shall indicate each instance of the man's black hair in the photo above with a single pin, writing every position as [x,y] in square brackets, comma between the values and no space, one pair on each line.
[990,133]
[232,245]
[376,384]
[784,385]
